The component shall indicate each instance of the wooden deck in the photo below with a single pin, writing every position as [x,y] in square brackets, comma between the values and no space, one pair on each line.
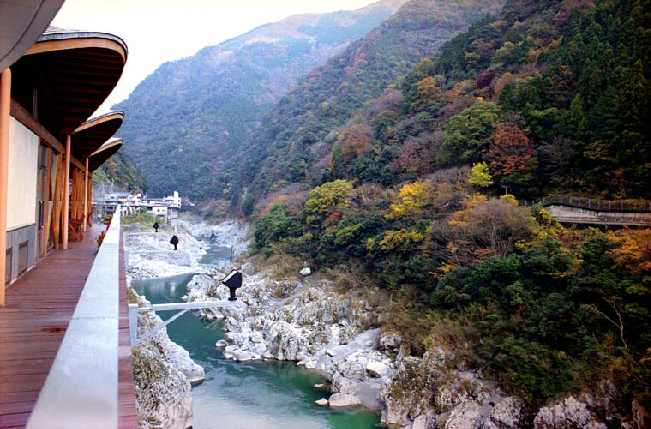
[38,309]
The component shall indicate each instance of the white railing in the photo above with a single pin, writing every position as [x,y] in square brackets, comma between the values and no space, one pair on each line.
[183,306]
[81,389]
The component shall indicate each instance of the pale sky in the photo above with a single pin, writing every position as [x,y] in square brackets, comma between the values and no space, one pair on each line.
[157,31]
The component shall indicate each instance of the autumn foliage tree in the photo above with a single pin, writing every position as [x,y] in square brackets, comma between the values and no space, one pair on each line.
[480,175]
[412,199]
[510,151]
[491,225]
[428,93]
[355,141]
[325,199]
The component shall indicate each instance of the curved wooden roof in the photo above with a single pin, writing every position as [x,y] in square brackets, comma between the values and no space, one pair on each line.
[21,24]
[101,155]
[92,134]
[72,71]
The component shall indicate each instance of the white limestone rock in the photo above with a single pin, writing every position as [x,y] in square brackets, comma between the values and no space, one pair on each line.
[468,415]
[242,356]
[507,414]
[230,233]
[256,337]
[419,423]
[338,400]
[163,373]
[321,402]
[377,369]
[390,341]
[569,412]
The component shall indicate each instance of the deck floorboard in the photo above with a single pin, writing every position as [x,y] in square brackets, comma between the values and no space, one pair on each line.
[39,307]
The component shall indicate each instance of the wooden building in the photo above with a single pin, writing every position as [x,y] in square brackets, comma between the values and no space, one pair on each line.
[58,83]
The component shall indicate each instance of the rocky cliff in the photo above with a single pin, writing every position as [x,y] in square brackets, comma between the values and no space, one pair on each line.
[163,373]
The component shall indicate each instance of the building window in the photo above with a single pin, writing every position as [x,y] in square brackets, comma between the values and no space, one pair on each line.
[22,257]
[8,258]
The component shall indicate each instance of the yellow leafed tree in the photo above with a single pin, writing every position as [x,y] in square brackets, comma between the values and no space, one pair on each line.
[412,198]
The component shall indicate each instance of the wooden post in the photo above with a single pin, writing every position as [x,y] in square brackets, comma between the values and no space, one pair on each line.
[52,169]
[56,223]
[66,195]
[90,200]
[86,196]
[5,101]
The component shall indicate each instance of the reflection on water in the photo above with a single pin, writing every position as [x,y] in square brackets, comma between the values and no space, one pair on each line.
[265,395]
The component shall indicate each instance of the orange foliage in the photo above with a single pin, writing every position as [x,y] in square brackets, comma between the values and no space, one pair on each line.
[634,249]
[354,141]
[428,92]
[510,151]
[460,218]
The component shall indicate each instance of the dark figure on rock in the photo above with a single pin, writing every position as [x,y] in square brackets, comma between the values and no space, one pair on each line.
[174,240]
[156,226]
[233,281]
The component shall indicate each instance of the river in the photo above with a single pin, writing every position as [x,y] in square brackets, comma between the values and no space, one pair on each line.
[261,394]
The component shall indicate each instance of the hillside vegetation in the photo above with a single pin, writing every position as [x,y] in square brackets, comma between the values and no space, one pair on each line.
[121,172]
[190,123]
[406,192]
[295,138]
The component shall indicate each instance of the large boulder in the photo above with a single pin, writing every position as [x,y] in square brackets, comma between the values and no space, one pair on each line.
[567,413]
[467,415]
[507,414]
[377,369]
[338,400]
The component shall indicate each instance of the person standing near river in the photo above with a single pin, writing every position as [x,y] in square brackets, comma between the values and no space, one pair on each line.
[233,281]
[175,241]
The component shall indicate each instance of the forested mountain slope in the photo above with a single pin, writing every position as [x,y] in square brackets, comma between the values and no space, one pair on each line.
[294,137]
[122,172]
[547,97]
[186,122]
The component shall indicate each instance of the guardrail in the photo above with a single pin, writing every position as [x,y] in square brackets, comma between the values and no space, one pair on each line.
[81,389]
[616,206]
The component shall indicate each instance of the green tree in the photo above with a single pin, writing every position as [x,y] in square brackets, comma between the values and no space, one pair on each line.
[468,133]
[273,226]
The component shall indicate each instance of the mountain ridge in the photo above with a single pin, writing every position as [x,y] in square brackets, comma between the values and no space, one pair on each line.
[200,111]
[293,134]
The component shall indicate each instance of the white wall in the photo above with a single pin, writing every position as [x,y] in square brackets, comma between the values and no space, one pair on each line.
[23,172]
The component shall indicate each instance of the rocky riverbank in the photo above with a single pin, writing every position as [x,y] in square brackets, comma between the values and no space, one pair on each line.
[163,370]
[229,233]
[149,254]
[163,373]
[340,335]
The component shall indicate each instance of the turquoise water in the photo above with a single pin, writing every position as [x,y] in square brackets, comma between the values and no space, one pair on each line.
[251,395]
